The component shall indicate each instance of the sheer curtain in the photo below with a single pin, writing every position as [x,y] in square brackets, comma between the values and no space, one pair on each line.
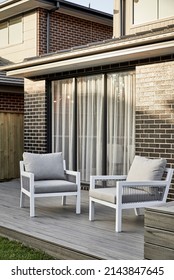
[120,122]
[90,116]
[63,120]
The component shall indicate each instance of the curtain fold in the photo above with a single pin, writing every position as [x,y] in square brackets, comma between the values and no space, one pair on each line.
[120,122]
[90,116]
[63,124]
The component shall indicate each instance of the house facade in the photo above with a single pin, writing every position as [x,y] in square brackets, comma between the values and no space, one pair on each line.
[101,104]
[33,28]
[29,29]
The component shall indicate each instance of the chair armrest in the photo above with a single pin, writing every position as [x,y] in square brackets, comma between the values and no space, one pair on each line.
[30,177]
[94,178]
[75,174]
[150,187]
[71,172]
[27,174]
[141,183]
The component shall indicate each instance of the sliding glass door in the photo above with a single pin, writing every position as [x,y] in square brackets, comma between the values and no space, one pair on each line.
[93,123]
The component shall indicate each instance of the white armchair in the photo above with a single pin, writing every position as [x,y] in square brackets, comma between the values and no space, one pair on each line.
[147,184]
[45,175]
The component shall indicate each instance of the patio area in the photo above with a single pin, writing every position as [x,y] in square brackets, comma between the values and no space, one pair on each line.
[57,230]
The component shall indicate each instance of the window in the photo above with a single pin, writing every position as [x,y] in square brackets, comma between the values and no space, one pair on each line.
[11,32]
[148,10]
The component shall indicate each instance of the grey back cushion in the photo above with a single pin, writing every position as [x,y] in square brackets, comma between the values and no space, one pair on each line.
[145,169]
[44,166]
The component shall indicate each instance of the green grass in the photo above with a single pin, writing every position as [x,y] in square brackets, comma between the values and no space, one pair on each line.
[13,250]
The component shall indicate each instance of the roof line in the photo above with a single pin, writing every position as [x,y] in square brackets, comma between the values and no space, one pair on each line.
[64,4]
[89,50]
[84,8]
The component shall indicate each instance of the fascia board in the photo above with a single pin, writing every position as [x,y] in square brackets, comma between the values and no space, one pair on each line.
[13,8]
[117,56]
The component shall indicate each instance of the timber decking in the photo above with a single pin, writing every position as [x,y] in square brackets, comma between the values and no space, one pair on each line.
[57,230]
[159,232]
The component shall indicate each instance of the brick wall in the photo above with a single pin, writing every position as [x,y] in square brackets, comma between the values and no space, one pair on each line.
[67,31]
[11,102]
[35,137]
[42,32]
[155,112]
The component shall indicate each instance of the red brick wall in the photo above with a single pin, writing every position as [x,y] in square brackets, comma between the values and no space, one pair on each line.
[11,102]
[42,32]
[68,31]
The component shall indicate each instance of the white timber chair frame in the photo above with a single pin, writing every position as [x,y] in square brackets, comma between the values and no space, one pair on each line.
[121,183]
[29,190]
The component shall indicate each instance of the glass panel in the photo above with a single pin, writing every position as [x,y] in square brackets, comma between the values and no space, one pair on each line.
[144,11]
[15,31]
[120,122]
[3,35]
[166,8]
[90,125]
[63,119]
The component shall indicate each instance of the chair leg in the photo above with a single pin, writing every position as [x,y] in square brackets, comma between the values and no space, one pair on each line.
[137,211]
[32,207]
[78,207]
[63,200]
[91,209]
[118,222]
[22,199]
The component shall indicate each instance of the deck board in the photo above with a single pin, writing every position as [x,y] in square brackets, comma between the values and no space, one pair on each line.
[57,228]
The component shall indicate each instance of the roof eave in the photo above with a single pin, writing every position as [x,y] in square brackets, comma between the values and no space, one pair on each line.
[117,56]
[12,8]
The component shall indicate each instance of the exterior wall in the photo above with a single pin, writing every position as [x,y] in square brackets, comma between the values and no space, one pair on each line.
[11,102]
[131,28]
[116,19]
[35,137]
[17,53]
[155,112]
[67,31]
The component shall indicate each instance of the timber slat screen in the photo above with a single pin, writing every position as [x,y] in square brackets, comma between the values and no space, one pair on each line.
[11,144]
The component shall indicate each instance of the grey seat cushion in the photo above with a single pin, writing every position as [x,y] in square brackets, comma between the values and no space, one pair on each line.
[54,186]
[129,196]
